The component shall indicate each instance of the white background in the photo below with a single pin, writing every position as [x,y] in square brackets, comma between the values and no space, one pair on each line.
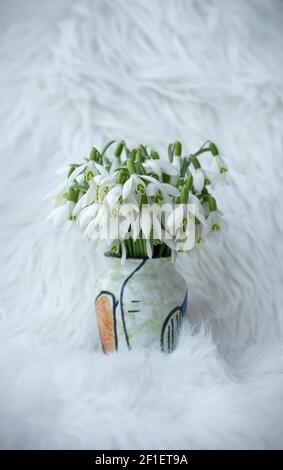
[76,74]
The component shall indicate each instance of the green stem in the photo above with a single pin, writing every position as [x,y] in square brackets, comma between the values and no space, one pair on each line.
[107,147]
[161,250]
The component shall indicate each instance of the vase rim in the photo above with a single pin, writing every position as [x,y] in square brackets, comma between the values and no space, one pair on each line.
[108,254]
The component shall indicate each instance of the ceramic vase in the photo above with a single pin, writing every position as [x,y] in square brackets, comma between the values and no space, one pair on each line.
[141,303]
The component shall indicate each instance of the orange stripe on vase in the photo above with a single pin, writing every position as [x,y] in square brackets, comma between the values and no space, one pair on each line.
[106,320]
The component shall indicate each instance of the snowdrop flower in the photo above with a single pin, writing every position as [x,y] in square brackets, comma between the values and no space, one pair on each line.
[89,197]
[134,184]
[98,228]
[89,169]
[58,194]
[87,214]
[161,190]
[215,224]
[199,236]
[104,181]
[116,164]
[178,218]
[195,203]
[128,213]
[159,167]
[198,177]
[219,165]
[215,170]
[176,162]
[114,194]
[62,214]
[109,200]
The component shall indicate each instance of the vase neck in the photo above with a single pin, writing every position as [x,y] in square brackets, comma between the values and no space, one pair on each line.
[131,264]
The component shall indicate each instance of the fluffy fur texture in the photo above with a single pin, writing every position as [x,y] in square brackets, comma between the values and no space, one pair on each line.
[88,71]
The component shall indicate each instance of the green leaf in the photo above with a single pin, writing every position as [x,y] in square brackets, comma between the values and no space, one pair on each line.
[144,152]
[71,169]
[107,146]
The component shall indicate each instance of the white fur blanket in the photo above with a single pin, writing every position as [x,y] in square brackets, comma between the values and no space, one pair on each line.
[76,74]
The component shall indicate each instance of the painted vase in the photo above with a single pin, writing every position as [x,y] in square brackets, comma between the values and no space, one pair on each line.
[140,304]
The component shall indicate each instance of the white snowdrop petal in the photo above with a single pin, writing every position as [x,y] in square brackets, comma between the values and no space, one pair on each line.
[145,222]
[60,215]
[149,178]
[101,169]
[169,189]
[198,180]
[124,254]
[77,172]
[148,249]
[127,188]
[151,189]
[168,168]
[114,194]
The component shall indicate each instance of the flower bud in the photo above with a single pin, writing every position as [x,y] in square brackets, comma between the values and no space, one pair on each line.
[212,204]
[138,156]
[119,149]
[196,163]
[72,195]
[170,152]
[131,166]
[140,168]
[178,148]
[154,155]
[120,177]
[189,182]
[93,154]
[132,155]
[213,149]
[184,195]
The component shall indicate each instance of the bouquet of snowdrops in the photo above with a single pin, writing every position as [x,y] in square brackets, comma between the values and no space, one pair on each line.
[111,196]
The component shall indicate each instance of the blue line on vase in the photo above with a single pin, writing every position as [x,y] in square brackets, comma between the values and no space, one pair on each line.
[172,333]
[121,300]
[169,339]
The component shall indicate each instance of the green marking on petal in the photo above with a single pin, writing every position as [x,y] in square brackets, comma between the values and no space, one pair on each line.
[140,189]
[89,175]
[223,170]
